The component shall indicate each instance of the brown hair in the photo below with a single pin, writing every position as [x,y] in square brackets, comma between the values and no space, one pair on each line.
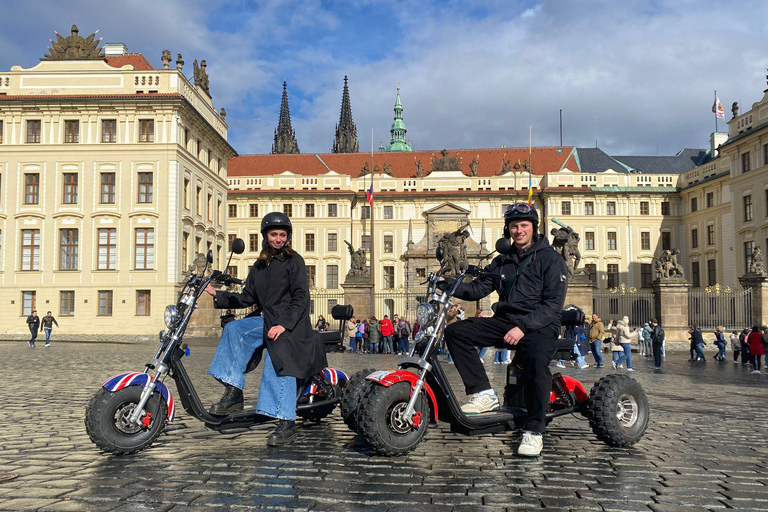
[268,253]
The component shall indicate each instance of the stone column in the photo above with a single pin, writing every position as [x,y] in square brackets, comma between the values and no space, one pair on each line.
[580,290]
[359,295]
[759,285]
[671,297]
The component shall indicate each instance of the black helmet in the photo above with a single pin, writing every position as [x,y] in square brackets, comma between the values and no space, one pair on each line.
[520,211]
[275,220]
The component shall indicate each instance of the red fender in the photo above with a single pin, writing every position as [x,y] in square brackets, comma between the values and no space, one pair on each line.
[573,386]
[388,377]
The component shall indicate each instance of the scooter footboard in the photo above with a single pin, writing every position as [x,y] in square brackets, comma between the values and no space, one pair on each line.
[388,377]
[123,380]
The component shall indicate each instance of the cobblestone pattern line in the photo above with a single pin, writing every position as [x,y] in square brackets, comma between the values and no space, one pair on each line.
[705,449]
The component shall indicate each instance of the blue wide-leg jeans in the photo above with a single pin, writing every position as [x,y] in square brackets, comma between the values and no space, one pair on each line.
[277,394]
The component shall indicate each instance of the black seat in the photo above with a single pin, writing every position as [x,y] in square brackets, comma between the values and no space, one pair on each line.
[342,312]
[572,316]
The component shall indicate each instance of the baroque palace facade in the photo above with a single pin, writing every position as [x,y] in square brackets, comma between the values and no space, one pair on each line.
[113,175]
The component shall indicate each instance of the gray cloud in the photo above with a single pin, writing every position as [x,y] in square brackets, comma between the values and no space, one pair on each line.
[630,74]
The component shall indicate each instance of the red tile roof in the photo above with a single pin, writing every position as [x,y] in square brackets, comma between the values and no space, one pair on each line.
[545,160]
[137,60]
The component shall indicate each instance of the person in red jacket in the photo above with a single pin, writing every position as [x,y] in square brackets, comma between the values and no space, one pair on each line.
[756,349]
[387,330]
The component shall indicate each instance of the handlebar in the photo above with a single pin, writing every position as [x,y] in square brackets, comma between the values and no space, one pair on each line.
[225,278]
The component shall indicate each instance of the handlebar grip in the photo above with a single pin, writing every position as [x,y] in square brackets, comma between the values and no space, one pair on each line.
[235,280]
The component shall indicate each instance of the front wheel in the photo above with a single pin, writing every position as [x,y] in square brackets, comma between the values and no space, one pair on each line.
[618,410]
[106,420]
[382,424]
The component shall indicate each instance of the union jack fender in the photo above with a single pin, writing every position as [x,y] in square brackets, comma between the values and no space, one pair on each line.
[122,380]
[335,377]
[388,377]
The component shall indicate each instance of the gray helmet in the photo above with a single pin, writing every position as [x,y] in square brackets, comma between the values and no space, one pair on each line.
[520,211]
[276,220]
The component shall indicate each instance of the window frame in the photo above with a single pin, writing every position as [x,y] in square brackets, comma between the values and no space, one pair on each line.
[333,209]
[610,207]
[67,299]
[146,131]
[32,188]
[30,253]
[309,242]
[36,134]
[110,248]
[253,242]
[332,277]
[111,188]
[565,208]
[748,206]
[109,136]
[333,242]
[108,297]
[147,260]
[645,240]
[253,209]
[70,184]
[146,187]
[147,299]
[589,207]
[68,252]
[589,241]
[612,241]
[71,131]
[645,208]
[389,244]
[388,277]
[388,212]
[288,209]
[232,211]
[309,210]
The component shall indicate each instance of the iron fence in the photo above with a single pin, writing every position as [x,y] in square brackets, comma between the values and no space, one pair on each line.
[321,302]
[399,302]
[721,305]
[624,301]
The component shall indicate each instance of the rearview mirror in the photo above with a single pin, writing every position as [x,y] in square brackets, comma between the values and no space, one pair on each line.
[209,257]
[503,246]
[439,254]
[238,246]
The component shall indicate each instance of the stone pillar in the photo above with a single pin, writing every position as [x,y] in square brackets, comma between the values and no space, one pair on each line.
[580,290]
[359,295]
[671,297]
[205,321]
[759,285]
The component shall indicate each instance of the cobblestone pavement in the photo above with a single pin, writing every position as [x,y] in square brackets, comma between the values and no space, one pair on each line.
[705,449]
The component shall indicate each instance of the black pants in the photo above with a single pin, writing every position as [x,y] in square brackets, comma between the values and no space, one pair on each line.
[736,353]
[533,354]
[657,354]
[34,334]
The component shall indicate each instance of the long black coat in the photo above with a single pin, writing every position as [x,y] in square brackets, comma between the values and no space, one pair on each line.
[281,292]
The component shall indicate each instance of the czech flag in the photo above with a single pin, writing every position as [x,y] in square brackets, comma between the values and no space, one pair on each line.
[369,196]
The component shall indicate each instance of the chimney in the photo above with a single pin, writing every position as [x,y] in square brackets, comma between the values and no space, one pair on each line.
[715,140]
[115,49]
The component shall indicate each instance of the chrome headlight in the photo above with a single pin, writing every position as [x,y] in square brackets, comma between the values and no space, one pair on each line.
[171,315]
[425,314]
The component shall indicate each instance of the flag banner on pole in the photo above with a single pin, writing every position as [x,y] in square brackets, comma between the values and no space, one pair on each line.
[717,108]
[369,196]
[530,186]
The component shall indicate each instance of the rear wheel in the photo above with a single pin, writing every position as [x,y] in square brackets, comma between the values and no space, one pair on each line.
[106,420]
[618,410]
[353,393]
[382,423]
[325,391]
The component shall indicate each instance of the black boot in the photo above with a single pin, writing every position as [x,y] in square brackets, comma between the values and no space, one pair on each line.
[285,433]
[232,401]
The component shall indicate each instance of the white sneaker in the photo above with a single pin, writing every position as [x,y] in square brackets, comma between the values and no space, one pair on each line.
[757,372]
[560,365]
[613,363]
[585,366]
[479,404]
[531,444]
[630,369]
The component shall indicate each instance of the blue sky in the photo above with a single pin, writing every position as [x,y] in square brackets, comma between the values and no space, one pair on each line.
[633,75]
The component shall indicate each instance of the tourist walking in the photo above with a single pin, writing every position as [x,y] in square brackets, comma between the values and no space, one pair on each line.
[403,334]
[735,346]
[745,359]
[756,349]
[596,335]
[697,343]
[46,324]
[352,334]
[387,331]
[374,334]
[33,322]
[657,342]
[720,343]
[623,338]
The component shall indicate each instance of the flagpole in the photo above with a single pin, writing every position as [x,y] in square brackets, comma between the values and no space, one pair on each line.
[530,164]
[373,238]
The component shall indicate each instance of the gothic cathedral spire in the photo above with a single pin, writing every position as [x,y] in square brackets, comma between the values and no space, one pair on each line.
[285,136]
[398,142]
[346,131]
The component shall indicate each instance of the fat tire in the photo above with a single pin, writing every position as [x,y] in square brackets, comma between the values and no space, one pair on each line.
[603,408]
[353,394]
[375,414]
[100,420]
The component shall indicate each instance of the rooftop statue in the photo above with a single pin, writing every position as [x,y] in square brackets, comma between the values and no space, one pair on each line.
[74,47]
[446,163]
[473,166]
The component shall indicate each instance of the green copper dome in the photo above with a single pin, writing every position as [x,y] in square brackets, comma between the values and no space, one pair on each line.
[398,141]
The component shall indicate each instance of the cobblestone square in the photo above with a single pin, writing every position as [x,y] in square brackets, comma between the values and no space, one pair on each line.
[705,448]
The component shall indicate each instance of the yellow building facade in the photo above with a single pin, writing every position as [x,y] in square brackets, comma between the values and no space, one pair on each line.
[112,176]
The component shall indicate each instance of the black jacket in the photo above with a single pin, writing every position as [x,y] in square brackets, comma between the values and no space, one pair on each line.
[33,322]
[281,293]
[696,337]
[537,297]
